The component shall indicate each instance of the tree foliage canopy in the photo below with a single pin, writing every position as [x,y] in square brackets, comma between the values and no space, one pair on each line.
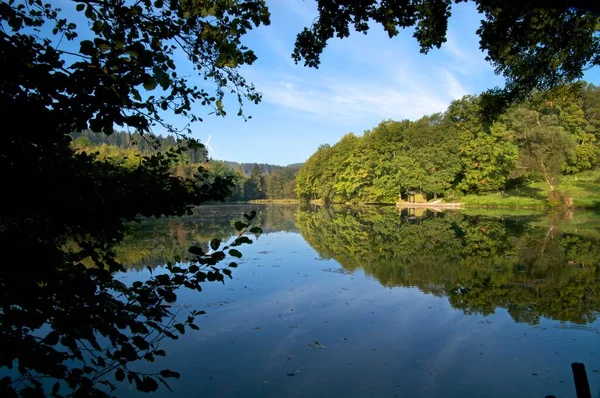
[457,152]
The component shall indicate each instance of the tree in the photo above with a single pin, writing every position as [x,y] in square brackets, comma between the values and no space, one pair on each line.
[258,181]
[533,44]
[545,145]
[63,315]
[488,153]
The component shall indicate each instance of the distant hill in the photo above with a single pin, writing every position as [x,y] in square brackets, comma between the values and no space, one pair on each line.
[265,168]
[146,144]
[124,140]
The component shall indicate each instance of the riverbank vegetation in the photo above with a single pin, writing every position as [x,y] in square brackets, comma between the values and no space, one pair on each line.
[537,147]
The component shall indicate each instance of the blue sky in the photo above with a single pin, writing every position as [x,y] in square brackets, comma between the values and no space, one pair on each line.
[362,80]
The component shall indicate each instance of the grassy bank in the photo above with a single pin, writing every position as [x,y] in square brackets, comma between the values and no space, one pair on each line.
[274,201]
[584,188]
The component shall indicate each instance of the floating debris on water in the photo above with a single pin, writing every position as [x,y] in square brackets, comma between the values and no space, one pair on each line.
[316,345]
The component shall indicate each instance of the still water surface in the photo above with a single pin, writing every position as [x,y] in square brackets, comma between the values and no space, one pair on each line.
[370,302]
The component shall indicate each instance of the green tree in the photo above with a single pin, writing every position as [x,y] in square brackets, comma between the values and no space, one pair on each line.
[488,154]
[545,145]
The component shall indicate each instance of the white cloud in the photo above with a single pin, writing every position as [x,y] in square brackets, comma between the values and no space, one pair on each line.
[465,57]
[402,95]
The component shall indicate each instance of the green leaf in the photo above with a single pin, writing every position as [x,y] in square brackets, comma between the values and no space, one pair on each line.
[235,253]
[104,48]
[89,13]
[215,243]
[256,230]
[149,84]
[80,7]
[239,225]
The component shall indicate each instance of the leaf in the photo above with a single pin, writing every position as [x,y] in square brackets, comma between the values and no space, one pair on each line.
[164,383]
[196,251]
[235,253]
[168,295]
[55,388]
[120,375]
[169,373]
[140,342]
[194,326]
[256,230]
[80,7]
[89,13]
[239,225]
[52,338]
[149,84]
[180,327]
[104,48]
[214,244]
[148,384]
[233,265]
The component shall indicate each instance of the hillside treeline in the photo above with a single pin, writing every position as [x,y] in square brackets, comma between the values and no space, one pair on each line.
[250,180]
[456,152]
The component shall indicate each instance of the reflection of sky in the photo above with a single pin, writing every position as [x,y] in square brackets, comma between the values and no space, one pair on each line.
[256,337]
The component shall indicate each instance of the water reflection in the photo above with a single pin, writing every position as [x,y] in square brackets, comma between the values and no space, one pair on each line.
[152,243]
[526,264]
[532,265]
[451,305]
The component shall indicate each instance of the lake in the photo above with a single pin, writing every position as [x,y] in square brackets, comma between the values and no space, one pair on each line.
[375,302]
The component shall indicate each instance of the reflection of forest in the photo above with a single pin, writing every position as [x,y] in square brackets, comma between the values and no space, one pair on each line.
[529,265]
[154,242]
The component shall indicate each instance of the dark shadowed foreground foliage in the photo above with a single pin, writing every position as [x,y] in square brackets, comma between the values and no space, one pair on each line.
[68,327]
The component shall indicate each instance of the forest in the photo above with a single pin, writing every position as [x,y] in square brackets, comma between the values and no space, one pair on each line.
[458,152]
[249,181]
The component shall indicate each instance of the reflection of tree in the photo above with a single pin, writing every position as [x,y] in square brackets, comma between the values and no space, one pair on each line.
[154,242]
[479,263]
